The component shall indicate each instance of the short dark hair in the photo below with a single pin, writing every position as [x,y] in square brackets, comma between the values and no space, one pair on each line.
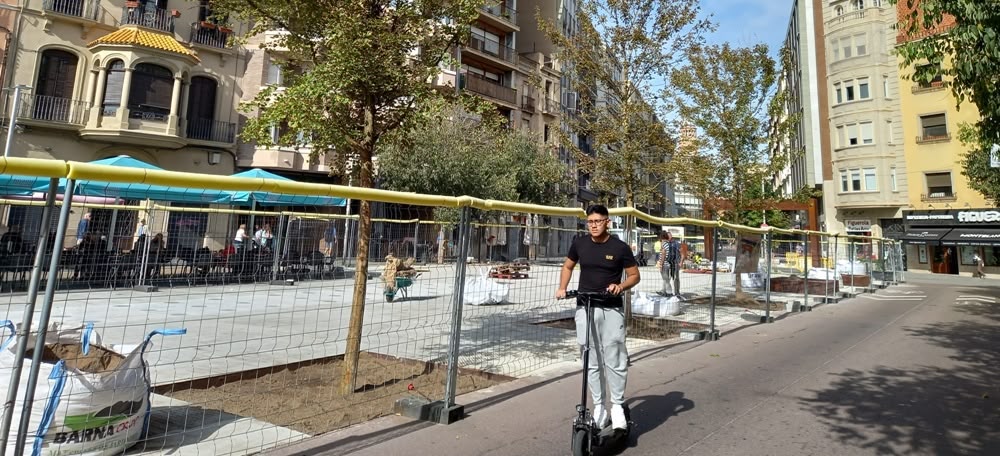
[598,209]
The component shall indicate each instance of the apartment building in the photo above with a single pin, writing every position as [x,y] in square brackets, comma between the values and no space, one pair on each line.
[869,189]
[152,79]
[946,223]
[804,78]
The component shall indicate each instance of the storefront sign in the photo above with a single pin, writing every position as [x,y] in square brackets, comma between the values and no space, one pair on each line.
[854,226]
[954,217]
[979,216]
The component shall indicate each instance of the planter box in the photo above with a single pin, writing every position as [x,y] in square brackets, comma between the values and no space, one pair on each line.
[817,287]
[859,280]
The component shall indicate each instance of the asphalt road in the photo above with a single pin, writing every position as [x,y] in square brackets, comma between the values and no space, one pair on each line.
[912,370]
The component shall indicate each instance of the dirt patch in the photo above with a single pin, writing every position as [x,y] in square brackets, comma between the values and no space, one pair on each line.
[742,300]
[641,327]
[304,396]
[97,359]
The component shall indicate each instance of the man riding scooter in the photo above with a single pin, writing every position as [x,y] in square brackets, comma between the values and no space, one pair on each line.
[603,259]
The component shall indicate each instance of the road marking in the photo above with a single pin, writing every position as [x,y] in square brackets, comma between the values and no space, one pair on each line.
[977,299]
[990,298]
[892,298]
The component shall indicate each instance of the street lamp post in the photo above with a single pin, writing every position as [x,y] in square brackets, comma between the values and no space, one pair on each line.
[12,125]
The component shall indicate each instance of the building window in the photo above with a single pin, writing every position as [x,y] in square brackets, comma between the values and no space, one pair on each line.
[855,134]
[892,179]
[864,92]
[858,180]
[885,87]
[837,90]
[545,133]
[275,74]
[113,85]
[939,184]
[201,108]
[845,45]
[888,133]
[867,133]
[839,10]
[936,80]
[151,93]
[859,5]
[933,126]
[860,44]
[871,182]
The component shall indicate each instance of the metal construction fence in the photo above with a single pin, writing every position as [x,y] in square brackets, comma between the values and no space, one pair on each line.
[241,316]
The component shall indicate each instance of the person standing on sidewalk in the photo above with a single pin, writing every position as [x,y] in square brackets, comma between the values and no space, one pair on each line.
[603,259]
[670,264]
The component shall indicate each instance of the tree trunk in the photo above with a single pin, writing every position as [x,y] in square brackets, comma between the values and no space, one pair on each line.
[349,371]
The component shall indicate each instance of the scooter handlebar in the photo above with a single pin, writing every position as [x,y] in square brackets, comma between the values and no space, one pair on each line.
[588,294]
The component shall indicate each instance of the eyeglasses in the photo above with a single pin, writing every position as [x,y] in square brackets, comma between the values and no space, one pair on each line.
[596,222]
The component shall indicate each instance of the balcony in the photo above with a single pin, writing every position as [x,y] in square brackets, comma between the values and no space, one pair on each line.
[53,110]
[853,18]
[933,86]
[528,104]
[148,16]
[550,106]
[501,16]
[498,53]
[933,139]
[211,131]
[209,36]
[944,197]
[486,87]
[82,9]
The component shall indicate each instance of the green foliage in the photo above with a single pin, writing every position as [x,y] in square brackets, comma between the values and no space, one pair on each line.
[357,71]
[973,48]
[623,48]
[461,154]
[732,96]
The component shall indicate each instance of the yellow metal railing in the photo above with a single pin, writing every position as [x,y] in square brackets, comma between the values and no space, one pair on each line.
[104,173]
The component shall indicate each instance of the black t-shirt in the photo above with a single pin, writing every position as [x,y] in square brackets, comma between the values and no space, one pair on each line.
[601,264]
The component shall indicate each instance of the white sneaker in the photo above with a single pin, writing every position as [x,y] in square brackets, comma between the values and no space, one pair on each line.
[600,416]
[618,417]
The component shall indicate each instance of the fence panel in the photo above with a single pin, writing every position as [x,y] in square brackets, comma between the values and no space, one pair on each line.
[266,296]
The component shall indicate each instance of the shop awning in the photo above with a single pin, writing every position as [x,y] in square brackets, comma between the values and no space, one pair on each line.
[921,235]
[972,236]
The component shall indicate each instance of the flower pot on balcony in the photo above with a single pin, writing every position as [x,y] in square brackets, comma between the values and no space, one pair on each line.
[175,13]
[225,29]
[207,24]
[132,4]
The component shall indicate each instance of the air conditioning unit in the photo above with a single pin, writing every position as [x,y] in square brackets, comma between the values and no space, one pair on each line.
[569,101]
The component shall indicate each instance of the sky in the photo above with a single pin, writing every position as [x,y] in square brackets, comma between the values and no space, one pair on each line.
[747,22]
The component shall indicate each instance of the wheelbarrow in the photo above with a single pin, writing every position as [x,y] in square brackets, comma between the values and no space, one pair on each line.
[400,286]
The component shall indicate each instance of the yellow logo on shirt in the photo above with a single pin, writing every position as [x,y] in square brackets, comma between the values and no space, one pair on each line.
[609,257]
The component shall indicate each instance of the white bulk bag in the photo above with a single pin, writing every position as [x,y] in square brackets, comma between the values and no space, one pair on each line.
[77,412]
[483,290]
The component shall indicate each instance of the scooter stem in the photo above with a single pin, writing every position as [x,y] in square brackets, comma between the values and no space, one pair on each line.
[586,360]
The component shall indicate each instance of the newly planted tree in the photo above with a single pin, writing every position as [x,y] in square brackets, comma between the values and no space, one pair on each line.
[361,74]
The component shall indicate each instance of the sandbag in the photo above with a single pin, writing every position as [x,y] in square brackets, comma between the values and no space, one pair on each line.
[90,399]
[483,290]
[655,305]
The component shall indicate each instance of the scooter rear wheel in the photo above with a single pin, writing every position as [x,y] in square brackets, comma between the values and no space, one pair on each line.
[581,443]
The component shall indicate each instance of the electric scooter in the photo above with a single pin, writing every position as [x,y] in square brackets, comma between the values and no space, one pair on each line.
[586,435]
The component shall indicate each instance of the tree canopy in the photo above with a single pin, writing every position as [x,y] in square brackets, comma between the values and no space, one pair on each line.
[733,96]
[614,61]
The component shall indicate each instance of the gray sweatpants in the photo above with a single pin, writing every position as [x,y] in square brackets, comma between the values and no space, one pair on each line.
[671,278]
[608,354]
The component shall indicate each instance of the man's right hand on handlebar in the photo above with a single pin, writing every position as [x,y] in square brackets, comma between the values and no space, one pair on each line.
[561,294]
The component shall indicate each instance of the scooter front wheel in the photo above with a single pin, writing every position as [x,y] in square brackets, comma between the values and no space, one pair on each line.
[581,442]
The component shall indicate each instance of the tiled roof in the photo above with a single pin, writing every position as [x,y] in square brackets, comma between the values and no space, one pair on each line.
[133,36]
